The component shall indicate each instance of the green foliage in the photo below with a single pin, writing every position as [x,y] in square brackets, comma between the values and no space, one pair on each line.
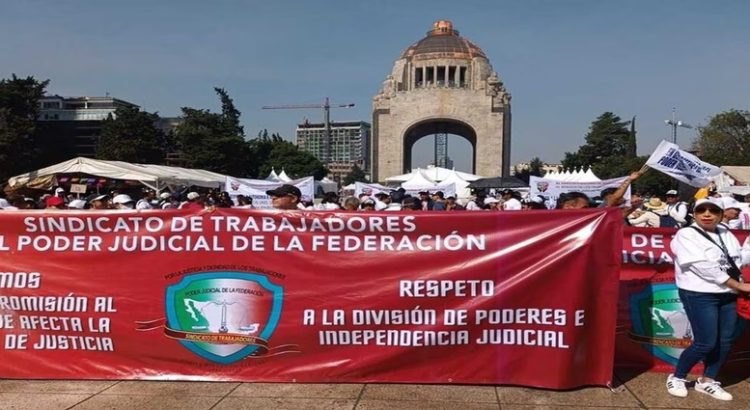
[279,154]
[726,139]
[535,169]
[214,142]
[356,175]
[19,109]
[132,136]
[608,136]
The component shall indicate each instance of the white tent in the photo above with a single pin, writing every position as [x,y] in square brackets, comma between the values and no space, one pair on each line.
[273,176]
[153,176]
[326,185]
[437,174]
[462,185]
[417,180]
[187,176]
[283,177]
[575,176]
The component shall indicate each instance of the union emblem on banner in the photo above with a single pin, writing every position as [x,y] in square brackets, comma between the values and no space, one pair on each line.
[542,186]
[660,323]
[223,317]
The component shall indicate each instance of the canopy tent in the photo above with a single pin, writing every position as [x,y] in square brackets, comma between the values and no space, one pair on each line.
[153,176]
[462,185]
[498,182]
[283,177]
[437,174]
[326,185]
[574,176]
[273,176]
[417,180]
[734,179]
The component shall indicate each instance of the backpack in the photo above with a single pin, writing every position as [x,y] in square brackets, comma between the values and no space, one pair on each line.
[666,221]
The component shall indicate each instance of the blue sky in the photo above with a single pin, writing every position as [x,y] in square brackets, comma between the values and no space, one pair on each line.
[564,62]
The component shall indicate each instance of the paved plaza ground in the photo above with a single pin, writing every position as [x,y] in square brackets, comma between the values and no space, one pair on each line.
[635,391]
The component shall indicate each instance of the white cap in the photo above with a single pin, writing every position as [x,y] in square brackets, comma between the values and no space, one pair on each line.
[491,200]
[59,189]
[77,204]
[672,192]
[729,203]
[193,195]
[4,204]
[709,201]
[165,195]
[122,199]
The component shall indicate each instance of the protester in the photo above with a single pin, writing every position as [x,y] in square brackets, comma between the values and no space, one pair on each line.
[194,202]
[411,203]
[438,201]
[427,202]
[573,200]
[145,202]
[123,201]
[54,202]
[244,202]
[351,204]
[676,209]
[367,205]
[452,205]
[99,202]
[511,200]
[6,206]
[732,211]
[706,255]
[651,217]
[285,197]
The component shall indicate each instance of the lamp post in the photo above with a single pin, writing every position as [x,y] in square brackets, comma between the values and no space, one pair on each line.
[674,123]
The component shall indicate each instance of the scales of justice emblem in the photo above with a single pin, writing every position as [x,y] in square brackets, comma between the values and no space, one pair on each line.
[223,317]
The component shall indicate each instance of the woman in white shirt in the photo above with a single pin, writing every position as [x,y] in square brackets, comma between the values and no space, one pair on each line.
[708,286]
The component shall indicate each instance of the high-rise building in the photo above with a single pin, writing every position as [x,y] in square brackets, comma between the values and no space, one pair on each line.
[349,145]
[77,120]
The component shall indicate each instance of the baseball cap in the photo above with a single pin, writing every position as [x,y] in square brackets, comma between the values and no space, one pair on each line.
[285,190]
[122,199]
[165,195]
[98,198]
[730,203]
[193,195]
[54,201]
[672,192]
[709,201]
[59,190]
[77,204]
[490,200]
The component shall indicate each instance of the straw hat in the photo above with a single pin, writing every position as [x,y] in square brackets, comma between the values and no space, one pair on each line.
[655,204]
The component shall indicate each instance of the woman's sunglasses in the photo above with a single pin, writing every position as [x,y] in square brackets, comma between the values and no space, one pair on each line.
[712,209]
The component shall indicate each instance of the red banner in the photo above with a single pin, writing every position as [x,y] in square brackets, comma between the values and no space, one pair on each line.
[652,327]
[474,297]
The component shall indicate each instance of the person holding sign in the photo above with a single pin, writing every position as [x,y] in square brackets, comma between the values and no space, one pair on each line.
[707,260]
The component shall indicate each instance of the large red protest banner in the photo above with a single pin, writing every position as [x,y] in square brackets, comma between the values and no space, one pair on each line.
[652,327]
[473,297]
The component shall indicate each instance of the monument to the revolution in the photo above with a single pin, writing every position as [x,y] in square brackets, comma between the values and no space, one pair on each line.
[441,84]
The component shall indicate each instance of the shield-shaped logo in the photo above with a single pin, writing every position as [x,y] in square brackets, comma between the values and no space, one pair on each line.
[235,185]
[660,323]
[224,316]
[542,186]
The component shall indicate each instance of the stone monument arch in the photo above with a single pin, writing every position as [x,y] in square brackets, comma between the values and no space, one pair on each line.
[442,82]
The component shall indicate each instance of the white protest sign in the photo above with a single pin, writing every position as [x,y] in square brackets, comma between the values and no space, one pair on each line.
[256,189]
[682,165]
[551,189]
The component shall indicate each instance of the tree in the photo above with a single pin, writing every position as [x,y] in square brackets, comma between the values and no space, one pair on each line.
[19,109]
[726,139]
[356,175]
[288,157]
[535,168]
[609,144]
[131,136]
[214,142]
[229,112]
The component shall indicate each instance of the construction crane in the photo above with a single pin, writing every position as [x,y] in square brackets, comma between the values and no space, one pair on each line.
[326,106]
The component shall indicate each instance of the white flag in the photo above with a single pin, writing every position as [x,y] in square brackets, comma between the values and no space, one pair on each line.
[682,166]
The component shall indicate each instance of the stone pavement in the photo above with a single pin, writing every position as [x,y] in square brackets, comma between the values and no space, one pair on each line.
[636,391]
